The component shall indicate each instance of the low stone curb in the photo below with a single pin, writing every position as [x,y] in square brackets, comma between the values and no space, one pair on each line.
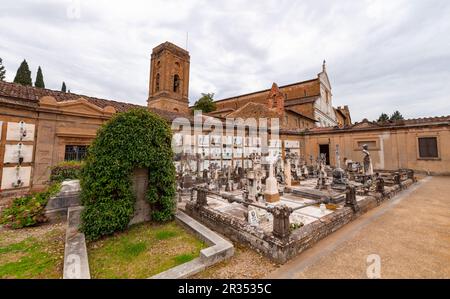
[76,264]
[220,250]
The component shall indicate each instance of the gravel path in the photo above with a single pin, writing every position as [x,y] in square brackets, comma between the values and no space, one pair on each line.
[245,263]
[410,234]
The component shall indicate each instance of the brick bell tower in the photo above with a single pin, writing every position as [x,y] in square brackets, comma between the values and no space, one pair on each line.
[169,78]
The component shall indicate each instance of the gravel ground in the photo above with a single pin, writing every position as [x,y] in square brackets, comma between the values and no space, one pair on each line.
[245,263]
[411,237]
[9,236]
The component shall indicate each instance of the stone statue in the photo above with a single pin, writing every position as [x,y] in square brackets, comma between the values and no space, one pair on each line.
[367,162]
[322,174]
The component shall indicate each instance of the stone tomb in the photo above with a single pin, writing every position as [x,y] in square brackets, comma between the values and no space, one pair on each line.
[69,196]
[142,208]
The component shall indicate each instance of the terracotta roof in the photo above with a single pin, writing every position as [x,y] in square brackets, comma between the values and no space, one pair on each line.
[300,101]
[427,120]
[266,90]
[221,111]
[30,93]
[253,110]
[369,125]
[302,115]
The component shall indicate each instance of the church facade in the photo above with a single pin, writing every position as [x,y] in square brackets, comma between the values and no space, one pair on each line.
[40,127]
[311,99]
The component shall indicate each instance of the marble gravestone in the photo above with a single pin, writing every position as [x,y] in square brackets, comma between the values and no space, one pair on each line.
[253,219]
[142,208]
[271,193]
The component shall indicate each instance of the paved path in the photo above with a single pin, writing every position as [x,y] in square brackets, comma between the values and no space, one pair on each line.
[410,233]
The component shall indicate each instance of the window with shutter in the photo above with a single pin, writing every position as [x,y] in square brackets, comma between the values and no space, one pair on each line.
[428,147]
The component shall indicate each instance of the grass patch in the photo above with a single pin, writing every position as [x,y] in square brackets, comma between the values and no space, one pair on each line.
[33,257]
[164,234]
[142,251]
[133,249]
[184,258]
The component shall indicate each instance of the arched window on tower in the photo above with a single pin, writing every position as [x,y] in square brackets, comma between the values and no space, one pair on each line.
[157,83]
[176,83]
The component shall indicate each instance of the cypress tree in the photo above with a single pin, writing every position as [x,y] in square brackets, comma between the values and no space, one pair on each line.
[396,116]
[63,88]
[2,70]
[23,75]
[383,117]
[39,79]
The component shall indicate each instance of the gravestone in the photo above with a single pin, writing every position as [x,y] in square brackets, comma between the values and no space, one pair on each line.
[142,209]
[253,218]
[271,194]
[68,196]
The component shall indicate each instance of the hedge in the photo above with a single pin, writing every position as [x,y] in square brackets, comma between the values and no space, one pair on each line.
[134,139]
[65,170]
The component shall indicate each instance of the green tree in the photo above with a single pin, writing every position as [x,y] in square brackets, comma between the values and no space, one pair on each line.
[23,75]
[383,117]
[205,103]
[396,116]
[39,79]
[63,87]
[2,70]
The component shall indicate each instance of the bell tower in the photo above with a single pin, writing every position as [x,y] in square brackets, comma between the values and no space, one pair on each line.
[169,78]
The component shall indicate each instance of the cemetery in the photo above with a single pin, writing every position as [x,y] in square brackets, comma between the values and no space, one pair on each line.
[139,211]
[281,207]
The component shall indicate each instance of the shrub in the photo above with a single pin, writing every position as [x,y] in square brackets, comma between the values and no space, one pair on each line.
[134,139]
[67,170]
[29,209]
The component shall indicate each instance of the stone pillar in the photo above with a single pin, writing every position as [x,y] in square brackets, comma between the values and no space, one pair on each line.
[350,198]
[287,173]
[281,224]
[410,174]
[397,180]
[271,193]
[202,199]
[380,185]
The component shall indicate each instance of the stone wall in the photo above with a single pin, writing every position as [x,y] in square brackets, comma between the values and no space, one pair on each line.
[393,148]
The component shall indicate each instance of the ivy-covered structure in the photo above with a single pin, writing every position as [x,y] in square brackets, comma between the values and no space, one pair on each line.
[134,139]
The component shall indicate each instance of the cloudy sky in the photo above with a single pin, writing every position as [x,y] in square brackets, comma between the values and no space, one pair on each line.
[381,55]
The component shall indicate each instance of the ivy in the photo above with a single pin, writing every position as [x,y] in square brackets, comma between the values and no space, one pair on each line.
[67,170]
[28,210]
[134,139]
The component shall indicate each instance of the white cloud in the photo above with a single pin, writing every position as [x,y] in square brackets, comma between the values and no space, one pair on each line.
[381,55]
